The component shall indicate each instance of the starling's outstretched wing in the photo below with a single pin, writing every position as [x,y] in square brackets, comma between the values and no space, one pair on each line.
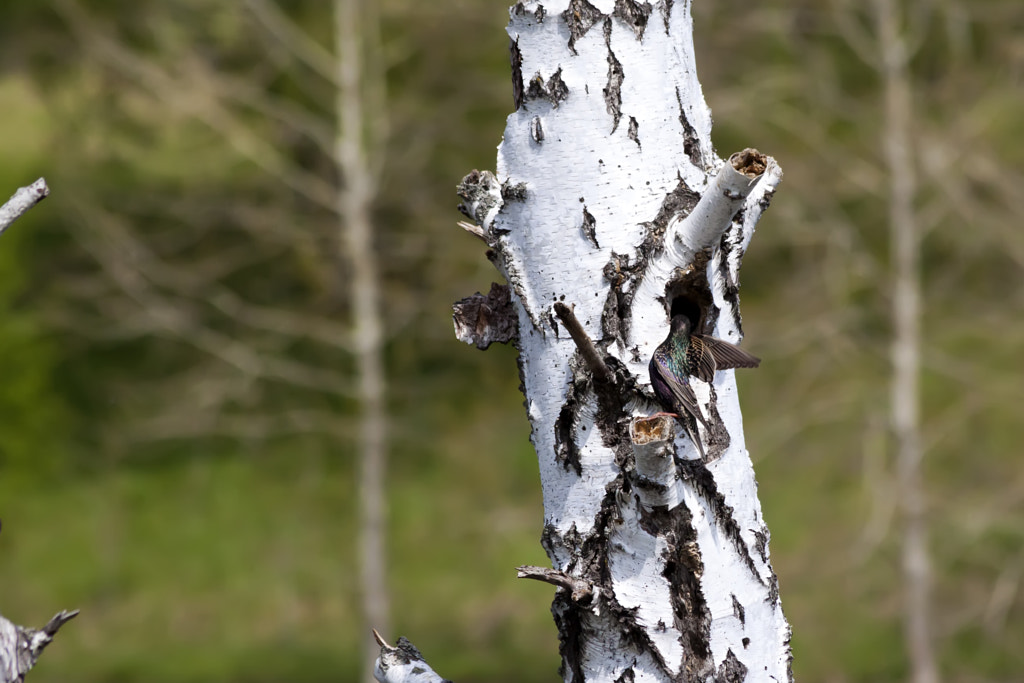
[707,355]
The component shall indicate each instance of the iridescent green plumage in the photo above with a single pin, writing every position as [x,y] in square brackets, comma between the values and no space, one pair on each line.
[683,355]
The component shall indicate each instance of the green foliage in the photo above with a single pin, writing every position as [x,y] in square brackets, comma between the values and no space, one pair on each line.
[36,422]
[35,416]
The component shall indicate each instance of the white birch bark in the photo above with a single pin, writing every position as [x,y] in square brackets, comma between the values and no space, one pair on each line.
[610,200]
[21,201]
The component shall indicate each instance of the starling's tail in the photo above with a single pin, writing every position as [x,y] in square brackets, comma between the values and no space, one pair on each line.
[692,431]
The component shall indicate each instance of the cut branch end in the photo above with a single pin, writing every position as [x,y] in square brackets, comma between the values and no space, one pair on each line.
[749,162]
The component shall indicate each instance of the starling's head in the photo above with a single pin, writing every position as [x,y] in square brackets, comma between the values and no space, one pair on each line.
[681,325]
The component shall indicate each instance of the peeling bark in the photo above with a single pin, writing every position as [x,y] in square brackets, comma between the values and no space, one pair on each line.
[660,557]
[482,320]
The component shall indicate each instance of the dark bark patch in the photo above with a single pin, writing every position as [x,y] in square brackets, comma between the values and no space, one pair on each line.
[731,242]
[615,315]
[677,204]
[554,90]
[761,543]
[738,611]
[773,590]
[731,670]
[476,191]
[634,635]
[683,569]
[580,18]
[552,322]
[589,227]
[691,141]
[482,320]
[515,281]
[613,91]
[611,417]
[561,549]
[666,13]
[718,438]
[642,483]
[513,192]
[627,676]
[570,635]
[567,451]
[699,476]
[517,72]
[557,89]
[537,130]
[540,13]
[634,131]
[624,275]
[789,653]
[634,14]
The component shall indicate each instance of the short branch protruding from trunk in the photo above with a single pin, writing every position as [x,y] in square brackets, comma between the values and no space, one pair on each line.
[580,590]
[473,229]
[584,343]
[402,663]
[656,480]
[484,319]
[722,201]
[21,201]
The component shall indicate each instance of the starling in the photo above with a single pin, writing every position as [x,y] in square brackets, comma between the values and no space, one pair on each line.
[683,354]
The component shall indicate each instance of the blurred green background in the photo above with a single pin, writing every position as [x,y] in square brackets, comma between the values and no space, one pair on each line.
[200,512]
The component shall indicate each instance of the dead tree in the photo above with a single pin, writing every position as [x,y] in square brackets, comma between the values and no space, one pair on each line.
[608,215]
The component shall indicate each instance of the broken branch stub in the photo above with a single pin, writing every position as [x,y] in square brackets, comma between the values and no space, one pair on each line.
[603,232]
[482,319]
[402,663]
[21,201]
[20,647]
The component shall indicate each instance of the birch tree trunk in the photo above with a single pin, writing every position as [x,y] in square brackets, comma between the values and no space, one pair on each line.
[354,203]
[608,214]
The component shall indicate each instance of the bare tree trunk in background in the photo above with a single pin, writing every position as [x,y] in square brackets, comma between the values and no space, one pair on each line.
[165,293]
[906,347]
[354,200]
